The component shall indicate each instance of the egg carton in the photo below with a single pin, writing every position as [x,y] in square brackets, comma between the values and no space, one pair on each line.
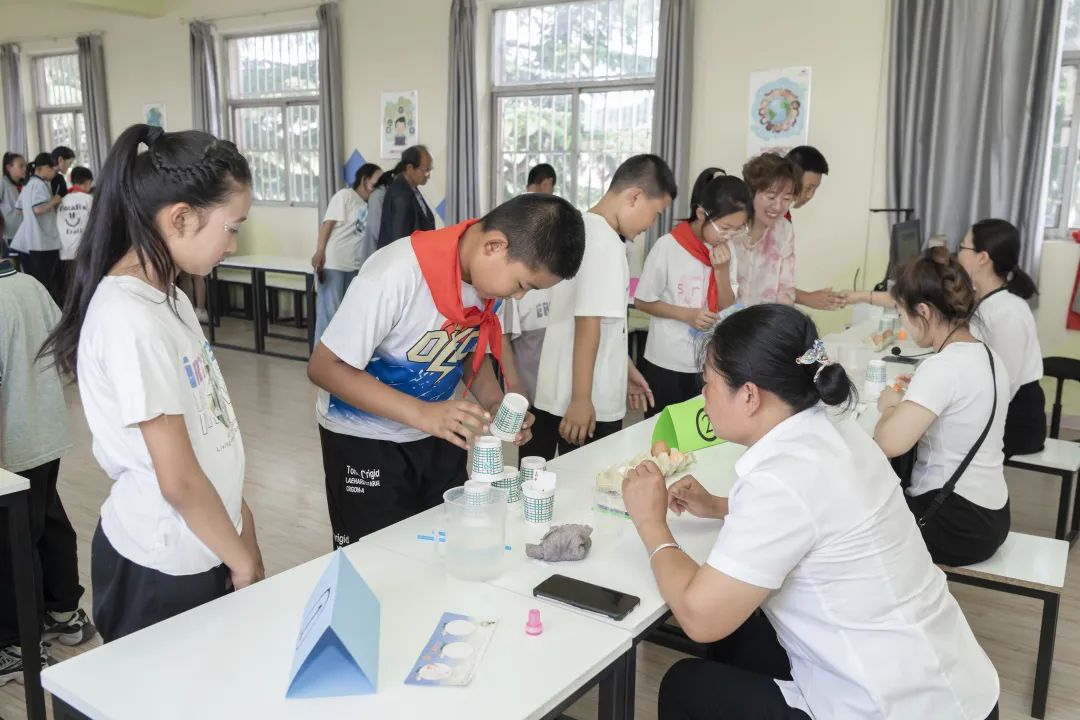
[670,462]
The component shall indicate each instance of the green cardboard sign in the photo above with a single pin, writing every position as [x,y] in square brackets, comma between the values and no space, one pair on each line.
[686,427]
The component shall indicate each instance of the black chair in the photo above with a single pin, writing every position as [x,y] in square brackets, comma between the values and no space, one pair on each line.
[1061,369]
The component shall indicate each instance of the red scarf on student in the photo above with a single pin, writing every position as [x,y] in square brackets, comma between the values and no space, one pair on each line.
[437,253]
[700,251]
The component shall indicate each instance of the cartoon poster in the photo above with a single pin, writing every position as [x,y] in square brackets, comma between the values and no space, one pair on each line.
[400,122]
[779,110]
[154,114]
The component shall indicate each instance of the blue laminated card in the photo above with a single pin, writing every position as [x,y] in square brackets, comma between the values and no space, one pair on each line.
[337,649]
[453,651]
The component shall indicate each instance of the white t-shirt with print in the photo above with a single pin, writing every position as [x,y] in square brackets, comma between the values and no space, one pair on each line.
[138,361]
[526,321]
[37,233]
[1004,322]
[343,246]
[600,289]
[72,214]
[818,517]
[388,326]
[674,276]
[955,385]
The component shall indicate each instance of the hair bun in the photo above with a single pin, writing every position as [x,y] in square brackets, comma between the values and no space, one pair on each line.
[833,385]
[153,134]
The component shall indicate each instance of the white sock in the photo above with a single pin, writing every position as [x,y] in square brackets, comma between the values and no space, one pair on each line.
[62,617]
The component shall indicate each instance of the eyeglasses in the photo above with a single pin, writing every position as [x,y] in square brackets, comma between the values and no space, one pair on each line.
[725,233]
[964,247]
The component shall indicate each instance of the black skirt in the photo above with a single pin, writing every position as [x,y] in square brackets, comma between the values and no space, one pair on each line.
[1025,425]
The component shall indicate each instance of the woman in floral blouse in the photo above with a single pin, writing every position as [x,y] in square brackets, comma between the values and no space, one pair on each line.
[766,253]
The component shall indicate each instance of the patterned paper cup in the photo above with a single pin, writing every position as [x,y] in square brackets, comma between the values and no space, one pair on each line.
[529,466]
[487,459]
[510,416]
[510,481]
[539,505]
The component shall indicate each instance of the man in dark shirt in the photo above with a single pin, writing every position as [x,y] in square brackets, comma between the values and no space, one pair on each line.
[404,210]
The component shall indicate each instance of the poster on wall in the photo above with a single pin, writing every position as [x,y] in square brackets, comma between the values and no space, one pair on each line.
[154,114]
[400,124]
[779,110]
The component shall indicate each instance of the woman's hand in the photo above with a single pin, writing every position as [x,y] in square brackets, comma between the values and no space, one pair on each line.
[645,495]
[688,495]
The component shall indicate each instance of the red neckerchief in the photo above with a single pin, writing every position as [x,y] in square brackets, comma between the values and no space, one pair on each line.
[787,216]
[700,251]
[75,190]
[437,253]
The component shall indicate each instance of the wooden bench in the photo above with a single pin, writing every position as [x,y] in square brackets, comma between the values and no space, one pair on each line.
[1031,566]
[1060,458]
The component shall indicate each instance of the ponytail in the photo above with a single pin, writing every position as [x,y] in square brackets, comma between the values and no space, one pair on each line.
[189,167]
[1000,240]
[719,194]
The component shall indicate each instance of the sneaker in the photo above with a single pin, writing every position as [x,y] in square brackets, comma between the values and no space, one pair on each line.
[69,628]
[11,663]
[202,315]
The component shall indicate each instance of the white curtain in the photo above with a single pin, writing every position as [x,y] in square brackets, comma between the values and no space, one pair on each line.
[205,98]
[331,106]
[14,117]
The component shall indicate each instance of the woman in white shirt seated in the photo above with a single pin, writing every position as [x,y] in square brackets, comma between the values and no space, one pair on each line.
[945,412]
[990,252]
[817,535]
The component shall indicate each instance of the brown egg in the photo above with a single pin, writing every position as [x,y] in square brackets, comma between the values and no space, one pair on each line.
[659,447]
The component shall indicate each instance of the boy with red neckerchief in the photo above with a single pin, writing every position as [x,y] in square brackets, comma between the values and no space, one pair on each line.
[419,318]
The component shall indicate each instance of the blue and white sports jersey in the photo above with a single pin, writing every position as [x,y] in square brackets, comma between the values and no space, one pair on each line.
[388,326]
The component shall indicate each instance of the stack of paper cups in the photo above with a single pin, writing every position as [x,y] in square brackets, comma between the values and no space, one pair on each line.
[875,379]
[487,459]
[539,494]
[510,416]
[477,492]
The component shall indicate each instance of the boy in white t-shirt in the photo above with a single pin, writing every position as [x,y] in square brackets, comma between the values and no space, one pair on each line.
[71,217]
[340,251]
[419,318]
[690,277]
[585,371]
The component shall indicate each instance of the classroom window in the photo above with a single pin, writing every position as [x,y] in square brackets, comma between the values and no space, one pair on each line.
[58,101]
[1063,188]
[272,90]
[572,85]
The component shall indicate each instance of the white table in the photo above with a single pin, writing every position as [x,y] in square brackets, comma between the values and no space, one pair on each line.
[14,502]
[231,658]
[258,266]
[617,558]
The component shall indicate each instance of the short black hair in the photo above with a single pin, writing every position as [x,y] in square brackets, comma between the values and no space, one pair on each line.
[412,156]
[362,173]
[80,174]
[540,173]
[543,231]
[62,152]
[648,172]
[809,159]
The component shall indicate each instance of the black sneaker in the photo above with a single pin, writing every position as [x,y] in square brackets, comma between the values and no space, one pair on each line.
[11,663]
[74,631]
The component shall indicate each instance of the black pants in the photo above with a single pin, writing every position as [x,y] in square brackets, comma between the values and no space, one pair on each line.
[1025,425]
[56,565]
[735,683]
[129,597]
[372,484]
[546,440]
[669,387]
[960,532]
[45,268]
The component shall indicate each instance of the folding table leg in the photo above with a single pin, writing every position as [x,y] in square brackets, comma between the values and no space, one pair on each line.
[18,511]
[1063,505]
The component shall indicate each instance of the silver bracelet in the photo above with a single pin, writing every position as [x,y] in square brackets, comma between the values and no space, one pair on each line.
[663,547]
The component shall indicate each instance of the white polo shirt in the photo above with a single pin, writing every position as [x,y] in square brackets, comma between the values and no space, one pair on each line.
[674,276]
[817,516]
[1004,322]
[955,385]
[600,289]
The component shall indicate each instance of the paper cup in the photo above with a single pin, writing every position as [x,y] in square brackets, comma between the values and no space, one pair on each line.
[510,416]
[510,481]
[529,466]
[487,459]
[875,372]
[477,492]
[539,505]
[872,391]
